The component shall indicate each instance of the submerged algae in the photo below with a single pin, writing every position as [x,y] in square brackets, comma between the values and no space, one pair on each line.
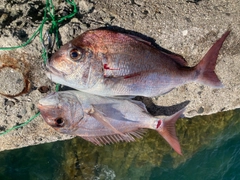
[136,160]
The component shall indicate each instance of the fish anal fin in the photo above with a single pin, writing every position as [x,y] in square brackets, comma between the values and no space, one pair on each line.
[114,138]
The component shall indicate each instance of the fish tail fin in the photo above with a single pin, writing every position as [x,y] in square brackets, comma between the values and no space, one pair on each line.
[205,68]
[166,128]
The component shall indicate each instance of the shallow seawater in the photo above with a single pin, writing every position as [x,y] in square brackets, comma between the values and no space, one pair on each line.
[210,145]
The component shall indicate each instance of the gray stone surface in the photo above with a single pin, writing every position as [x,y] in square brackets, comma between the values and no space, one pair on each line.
[15,77]
[183,27]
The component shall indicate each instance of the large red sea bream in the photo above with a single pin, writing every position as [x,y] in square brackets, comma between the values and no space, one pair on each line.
[109,63]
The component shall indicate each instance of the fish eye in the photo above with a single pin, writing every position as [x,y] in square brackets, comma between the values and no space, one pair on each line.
[59,122]
[75,54]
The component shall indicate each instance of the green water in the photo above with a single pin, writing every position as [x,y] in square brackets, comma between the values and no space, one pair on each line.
[210,145]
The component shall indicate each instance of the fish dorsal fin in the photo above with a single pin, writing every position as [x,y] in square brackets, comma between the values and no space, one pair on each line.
[140,39]
[114,138]
[177,58]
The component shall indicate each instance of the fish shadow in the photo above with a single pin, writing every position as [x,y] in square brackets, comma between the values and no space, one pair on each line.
[156,110]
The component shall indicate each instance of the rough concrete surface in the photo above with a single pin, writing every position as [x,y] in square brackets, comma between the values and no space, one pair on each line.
[188,28]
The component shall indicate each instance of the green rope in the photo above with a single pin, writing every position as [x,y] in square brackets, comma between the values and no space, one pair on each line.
[49,16]
[57,87]
[20,125]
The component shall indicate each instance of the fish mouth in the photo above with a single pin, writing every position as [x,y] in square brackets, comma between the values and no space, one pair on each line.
[40,107]
[44,111]
[50,70]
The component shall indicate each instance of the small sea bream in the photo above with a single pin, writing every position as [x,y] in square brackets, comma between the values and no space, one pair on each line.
[110,63]
[104,120]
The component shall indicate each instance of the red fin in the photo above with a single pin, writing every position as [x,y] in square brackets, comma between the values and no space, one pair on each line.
[166,128]
[206,67]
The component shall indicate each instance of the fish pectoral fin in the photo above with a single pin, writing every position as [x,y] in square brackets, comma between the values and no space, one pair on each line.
[98,115]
